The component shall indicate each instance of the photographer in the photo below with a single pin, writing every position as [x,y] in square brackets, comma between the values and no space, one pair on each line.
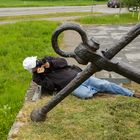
[53,74]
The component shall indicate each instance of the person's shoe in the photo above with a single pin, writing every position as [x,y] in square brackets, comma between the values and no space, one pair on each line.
[137,95]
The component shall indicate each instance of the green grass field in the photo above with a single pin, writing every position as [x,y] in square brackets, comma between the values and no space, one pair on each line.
[109,19]
[18,41]
[27,3]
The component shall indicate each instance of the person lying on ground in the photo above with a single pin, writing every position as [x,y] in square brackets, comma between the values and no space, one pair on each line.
[54,73]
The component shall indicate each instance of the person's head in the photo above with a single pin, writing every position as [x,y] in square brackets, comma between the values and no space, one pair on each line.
[30,63]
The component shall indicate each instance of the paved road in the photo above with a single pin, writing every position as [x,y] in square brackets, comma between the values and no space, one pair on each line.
[46,10]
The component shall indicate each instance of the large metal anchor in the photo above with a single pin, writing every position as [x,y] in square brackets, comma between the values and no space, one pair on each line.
[88,52]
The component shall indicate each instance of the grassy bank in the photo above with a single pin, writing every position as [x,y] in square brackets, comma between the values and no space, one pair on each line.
[18,41]
[28,3]
[102,118]
[109,19]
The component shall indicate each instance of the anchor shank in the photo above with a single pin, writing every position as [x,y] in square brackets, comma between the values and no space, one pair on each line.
[80,78]
[121,68]
[128,71]
[125,40]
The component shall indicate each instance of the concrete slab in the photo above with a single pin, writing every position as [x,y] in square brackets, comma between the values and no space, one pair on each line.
[133,57]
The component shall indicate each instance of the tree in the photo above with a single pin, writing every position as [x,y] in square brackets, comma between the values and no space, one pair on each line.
[134,5]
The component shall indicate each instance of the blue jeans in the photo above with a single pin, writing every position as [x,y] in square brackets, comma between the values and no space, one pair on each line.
[94,85]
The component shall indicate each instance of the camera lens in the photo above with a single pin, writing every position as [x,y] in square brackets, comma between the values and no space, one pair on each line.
[39,63]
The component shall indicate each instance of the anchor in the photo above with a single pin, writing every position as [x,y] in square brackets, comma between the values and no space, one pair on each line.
[88,53]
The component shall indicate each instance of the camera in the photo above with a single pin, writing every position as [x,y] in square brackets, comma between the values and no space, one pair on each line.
[39,63]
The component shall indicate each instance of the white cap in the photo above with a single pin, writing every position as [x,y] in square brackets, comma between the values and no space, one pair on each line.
[29,63]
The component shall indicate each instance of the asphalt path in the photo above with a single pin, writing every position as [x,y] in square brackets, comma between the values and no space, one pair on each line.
[58,9]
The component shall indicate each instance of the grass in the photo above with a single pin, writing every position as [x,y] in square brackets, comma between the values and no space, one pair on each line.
[18,41]
[109,19]
[86,17]
[51,15]
[28,3]
[101,118]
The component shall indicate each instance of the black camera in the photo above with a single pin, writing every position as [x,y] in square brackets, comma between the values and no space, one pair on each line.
[39,63]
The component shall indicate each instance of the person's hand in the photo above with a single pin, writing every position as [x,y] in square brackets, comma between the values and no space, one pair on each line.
[40,69]
[46,65]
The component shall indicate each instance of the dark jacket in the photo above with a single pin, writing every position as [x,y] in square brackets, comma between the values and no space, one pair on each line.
[57,76]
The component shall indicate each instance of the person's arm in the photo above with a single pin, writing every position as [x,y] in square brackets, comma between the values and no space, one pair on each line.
[55,62]
[44,82]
